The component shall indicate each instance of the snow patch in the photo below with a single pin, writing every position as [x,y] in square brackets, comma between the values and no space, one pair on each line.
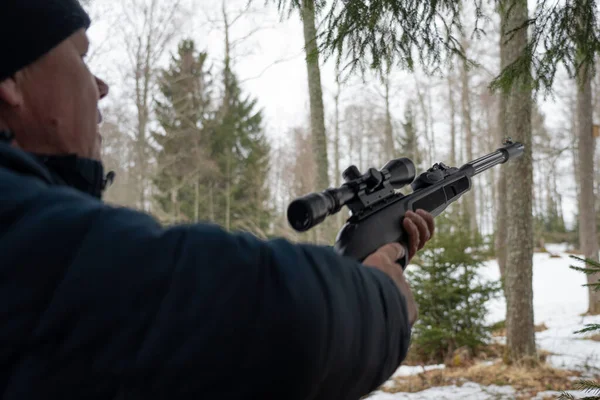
[468,391]
[406,370]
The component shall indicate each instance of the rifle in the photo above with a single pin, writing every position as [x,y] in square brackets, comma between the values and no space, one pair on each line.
[377,206]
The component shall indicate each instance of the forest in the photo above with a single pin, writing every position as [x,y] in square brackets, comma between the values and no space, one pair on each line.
[224,111]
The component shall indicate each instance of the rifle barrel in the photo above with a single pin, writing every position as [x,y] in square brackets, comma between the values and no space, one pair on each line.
[500,156]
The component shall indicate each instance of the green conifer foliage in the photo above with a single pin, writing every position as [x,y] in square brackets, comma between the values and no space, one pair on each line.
[213,156]
[242,152]
[450,293]
[184,112]
[425,34]
[408,142]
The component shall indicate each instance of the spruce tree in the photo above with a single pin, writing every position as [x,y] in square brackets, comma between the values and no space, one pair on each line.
[446,283]
[185,115]
[377,34]
[408,143]
[213,154]
[240,148]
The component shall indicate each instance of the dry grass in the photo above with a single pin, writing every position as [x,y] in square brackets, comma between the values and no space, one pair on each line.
[595,337]
[528,378]
[541,327]
[501,330]
[486,369]
[527,381]
[490,352]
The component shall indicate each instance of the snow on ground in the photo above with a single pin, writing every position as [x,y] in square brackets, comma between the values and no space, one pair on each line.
[406,370]
[559,299]
[468,391]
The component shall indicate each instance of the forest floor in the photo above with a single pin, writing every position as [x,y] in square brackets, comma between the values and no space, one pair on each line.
[559,301]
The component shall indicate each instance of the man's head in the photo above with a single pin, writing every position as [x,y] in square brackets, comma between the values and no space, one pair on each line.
[48,96]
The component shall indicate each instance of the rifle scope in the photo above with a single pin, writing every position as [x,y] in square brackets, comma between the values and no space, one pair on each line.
[309,211]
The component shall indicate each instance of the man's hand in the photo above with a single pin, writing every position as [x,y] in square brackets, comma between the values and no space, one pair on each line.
[420,227]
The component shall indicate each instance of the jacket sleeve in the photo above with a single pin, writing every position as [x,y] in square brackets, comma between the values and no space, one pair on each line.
[192,310]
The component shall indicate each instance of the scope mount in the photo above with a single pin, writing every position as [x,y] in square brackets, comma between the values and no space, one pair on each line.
[369,188]
[436,173]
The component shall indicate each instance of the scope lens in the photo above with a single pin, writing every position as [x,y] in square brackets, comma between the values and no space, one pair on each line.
[308,211]
[402,171]
[299,216]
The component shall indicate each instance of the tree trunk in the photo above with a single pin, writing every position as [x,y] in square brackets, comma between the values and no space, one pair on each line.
[501,217]
[426,124]
[228,95]
[145,46]
[389,130]
[501,212]
[519,263]
[336,145]
[142,83]
[481,200]
[469,200]
[228,193]
[211,200]
[453,159]
[317,110]
[490,144]
[430,119]
[196,200]
[360,130]
[574,147]
[588,237]
[175,216]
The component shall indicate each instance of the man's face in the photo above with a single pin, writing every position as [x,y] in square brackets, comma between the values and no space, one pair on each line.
[52,105]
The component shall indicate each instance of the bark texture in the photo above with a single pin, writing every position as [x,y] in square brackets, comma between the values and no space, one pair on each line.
[588,236]
[518,272]
[317,110]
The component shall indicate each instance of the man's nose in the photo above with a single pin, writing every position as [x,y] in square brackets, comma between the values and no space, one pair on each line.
[102,87]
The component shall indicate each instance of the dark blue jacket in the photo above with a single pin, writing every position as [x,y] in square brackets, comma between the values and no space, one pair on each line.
[99,302]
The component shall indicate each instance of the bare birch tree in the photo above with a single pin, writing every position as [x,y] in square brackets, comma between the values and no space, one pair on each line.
[149,27]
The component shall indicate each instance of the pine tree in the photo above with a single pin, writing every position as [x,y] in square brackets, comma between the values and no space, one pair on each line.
[185,115]
[447,284]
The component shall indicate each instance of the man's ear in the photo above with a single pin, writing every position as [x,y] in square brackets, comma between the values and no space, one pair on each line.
[10,94]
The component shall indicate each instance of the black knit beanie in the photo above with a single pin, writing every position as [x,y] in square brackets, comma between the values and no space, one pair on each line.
[31,28]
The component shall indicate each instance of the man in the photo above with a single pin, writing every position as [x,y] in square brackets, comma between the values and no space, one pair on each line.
[101,302]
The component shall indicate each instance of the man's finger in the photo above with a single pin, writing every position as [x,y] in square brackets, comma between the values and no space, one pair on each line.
[413,234]
[429,220]
[423,229]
